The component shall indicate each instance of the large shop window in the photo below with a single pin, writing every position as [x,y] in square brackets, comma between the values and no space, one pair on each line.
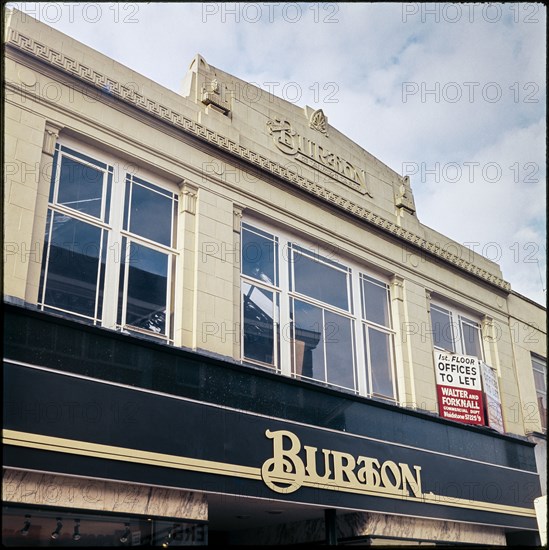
[312,317]
[454,332]
[109,247]
[539,367]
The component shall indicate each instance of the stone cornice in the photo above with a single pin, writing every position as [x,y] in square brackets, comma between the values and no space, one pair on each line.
[128,95]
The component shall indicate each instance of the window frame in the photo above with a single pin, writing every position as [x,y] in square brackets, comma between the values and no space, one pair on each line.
[271,287]
[55,208]
[46,272]
[388,330]
[127,237]
[62,151]
[542,362]
[111,223]
[288,245]
[463,317]
[294,248]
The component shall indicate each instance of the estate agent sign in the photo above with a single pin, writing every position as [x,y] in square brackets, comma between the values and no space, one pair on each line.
[492,398]
[459,388]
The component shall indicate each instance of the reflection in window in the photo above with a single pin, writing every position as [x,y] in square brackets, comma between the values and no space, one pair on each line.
[378,337]
[147,288]
[260,302]
[322,327]
[443,334]
[259,314]
[375,301]
[139,238]
[149,211]
[320,281]
[73,266]
[378,351]
[322,345]
[146,279]
[455,333]
[338,334]
[80,187]
[308,335]
[470,336]
[259,253]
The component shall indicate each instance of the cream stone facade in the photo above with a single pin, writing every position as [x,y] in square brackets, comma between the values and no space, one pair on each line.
[233,160]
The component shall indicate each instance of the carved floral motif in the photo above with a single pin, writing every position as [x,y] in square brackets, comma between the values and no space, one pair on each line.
[319,122]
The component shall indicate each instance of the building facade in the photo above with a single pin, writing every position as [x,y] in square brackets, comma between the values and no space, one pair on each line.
[225,323]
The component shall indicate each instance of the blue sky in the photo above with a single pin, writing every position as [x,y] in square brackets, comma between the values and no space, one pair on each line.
[453,95]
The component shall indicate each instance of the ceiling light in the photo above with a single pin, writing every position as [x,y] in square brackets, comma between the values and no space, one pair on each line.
[172,535]
[26,526]
[76,535]
[126,534]
[55,534]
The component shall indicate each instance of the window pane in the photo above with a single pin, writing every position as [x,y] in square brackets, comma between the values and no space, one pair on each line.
[441,322]
[102,275]
[542,404]
[147,289]
[259,313]
[308,347]
[44,266]
[539,380]
[121,279]
[339,350]
[258,257]
[73,265]
[471,340]
[378,343]
[110,176]
[54,176]
[80,187]
[151,215]
[320,281]
[83,157]
[375,303]
[539,365]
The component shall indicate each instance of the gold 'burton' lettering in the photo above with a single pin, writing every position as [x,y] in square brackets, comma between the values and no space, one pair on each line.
[288,470]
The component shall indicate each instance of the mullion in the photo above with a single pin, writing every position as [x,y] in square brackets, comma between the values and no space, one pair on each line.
[323,336]
[46,259]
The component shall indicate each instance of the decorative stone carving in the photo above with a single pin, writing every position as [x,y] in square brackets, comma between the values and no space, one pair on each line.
[213,93]
[51,134]
[405,197]
[428,298]
[488,329]
[397,288]
[319,122]
[189,194]
[237,217]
